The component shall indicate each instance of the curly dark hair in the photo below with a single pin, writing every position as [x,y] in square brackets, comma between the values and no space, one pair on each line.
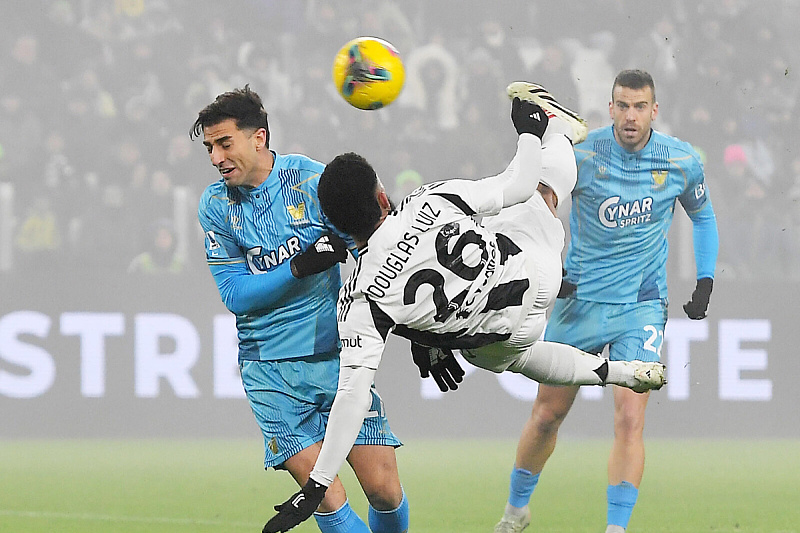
[346,194]
[242,105]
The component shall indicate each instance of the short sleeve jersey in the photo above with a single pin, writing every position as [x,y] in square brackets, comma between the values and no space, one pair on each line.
[622,208]
[264,227]
[433,274]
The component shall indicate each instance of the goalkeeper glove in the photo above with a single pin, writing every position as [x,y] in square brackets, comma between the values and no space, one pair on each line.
[296,509]
[696,307]
[438,363]
[528,117]
[320,256]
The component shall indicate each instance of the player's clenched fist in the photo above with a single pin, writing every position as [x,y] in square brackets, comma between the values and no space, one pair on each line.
[320,256]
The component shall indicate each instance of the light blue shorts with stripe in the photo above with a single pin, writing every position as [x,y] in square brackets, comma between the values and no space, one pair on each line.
[291,400]
[633,331]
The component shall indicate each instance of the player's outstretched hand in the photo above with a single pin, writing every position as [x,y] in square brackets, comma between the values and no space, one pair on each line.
[442,365]
[320,256]
[696,307]
[528,117]
[296,509]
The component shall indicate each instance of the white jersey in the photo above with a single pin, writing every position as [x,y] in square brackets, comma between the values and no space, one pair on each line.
[431,273]
[434,274]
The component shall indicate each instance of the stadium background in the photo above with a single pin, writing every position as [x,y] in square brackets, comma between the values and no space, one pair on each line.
[96,101]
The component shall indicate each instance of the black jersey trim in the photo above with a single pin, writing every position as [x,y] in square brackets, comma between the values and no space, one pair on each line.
[506,295]
[457,201]
[507,247]
[383,322]
[453,341]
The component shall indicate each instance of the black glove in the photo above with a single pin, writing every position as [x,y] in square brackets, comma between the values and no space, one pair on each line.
[320,256]
[696,308]
[439,363]
[296,509]
[528,117]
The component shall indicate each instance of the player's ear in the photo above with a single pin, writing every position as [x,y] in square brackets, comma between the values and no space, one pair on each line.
[654,112]
[383,200]
[260,138]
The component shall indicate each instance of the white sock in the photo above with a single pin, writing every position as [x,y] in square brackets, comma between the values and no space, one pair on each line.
[615,529]
[560,364]
[514,512]
[557,126]
[620,373]
[558,164]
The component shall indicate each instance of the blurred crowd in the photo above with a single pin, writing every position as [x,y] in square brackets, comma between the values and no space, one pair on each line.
[98,174]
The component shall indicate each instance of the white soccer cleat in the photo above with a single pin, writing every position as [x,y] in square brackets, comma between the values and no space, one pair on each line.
[538,95]
[648,376]
[513,525]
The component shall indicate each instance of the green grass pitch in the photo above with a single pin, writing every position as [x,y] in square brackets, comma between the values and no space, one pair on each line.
[454,486]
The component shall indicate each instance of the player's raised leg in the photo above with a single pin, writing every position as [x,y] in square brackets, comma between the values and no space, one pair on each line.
[537,94]
[560,364]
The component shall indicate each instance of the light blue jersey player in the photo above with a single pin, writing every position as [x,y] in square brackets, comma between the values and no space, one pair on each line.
[622,209]
[614,293]
[256,232]
[274,258]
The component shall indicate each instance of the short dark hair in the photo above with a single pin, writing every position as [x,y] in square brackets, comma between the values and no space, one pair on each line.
[242,105]
[634,79]
[346,194]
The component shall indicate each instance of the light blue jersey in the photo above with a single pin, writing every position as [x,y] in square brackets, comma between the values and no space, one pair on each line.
[250,236]
[622,208]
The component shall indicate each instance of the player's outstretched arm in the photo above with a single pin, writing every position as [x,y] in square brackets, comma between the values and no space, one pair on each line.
[518,182]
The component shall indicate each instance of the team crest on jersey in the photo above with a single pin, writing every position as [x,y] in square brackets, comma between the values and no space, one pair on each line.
[297,212]
[601,172]
[659,177]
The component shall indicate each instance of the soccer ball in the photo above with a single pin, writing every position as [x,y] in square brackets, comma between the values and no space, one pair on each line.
[368,73]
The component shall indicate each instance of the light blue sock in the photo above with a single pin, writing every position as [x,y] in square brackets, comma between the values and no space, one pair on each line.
[521,488]
[342,520]
[394,521]
[621,499]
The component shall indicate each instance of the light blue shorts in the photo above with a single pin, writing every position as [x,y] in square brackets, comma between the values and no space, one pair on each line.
[632,331]
[291,400]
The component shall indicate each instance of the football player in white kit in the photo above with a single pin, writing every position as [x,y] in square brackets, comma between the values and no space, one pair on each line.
[429,270]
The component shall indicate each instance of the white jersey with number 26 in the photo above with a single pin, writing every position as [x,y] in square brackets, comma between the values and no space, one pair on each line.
[435,275]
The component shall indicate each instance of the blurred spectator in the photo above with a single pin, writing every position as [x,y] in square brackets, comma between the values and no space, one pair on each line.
[405,182]
[160,255]
[432,84]
[38,239]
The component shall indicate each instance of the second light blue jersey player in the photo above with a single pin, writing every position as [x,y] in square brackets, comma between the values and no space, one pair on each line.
[255,231]
[622,209]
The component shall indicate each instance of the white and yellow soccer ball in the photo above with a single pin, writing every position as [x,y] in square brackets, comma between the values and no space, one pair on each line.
[369,73]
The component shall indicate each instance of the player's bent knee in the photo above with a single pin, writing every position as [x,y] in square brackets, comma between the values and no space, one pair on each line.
[385,497]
